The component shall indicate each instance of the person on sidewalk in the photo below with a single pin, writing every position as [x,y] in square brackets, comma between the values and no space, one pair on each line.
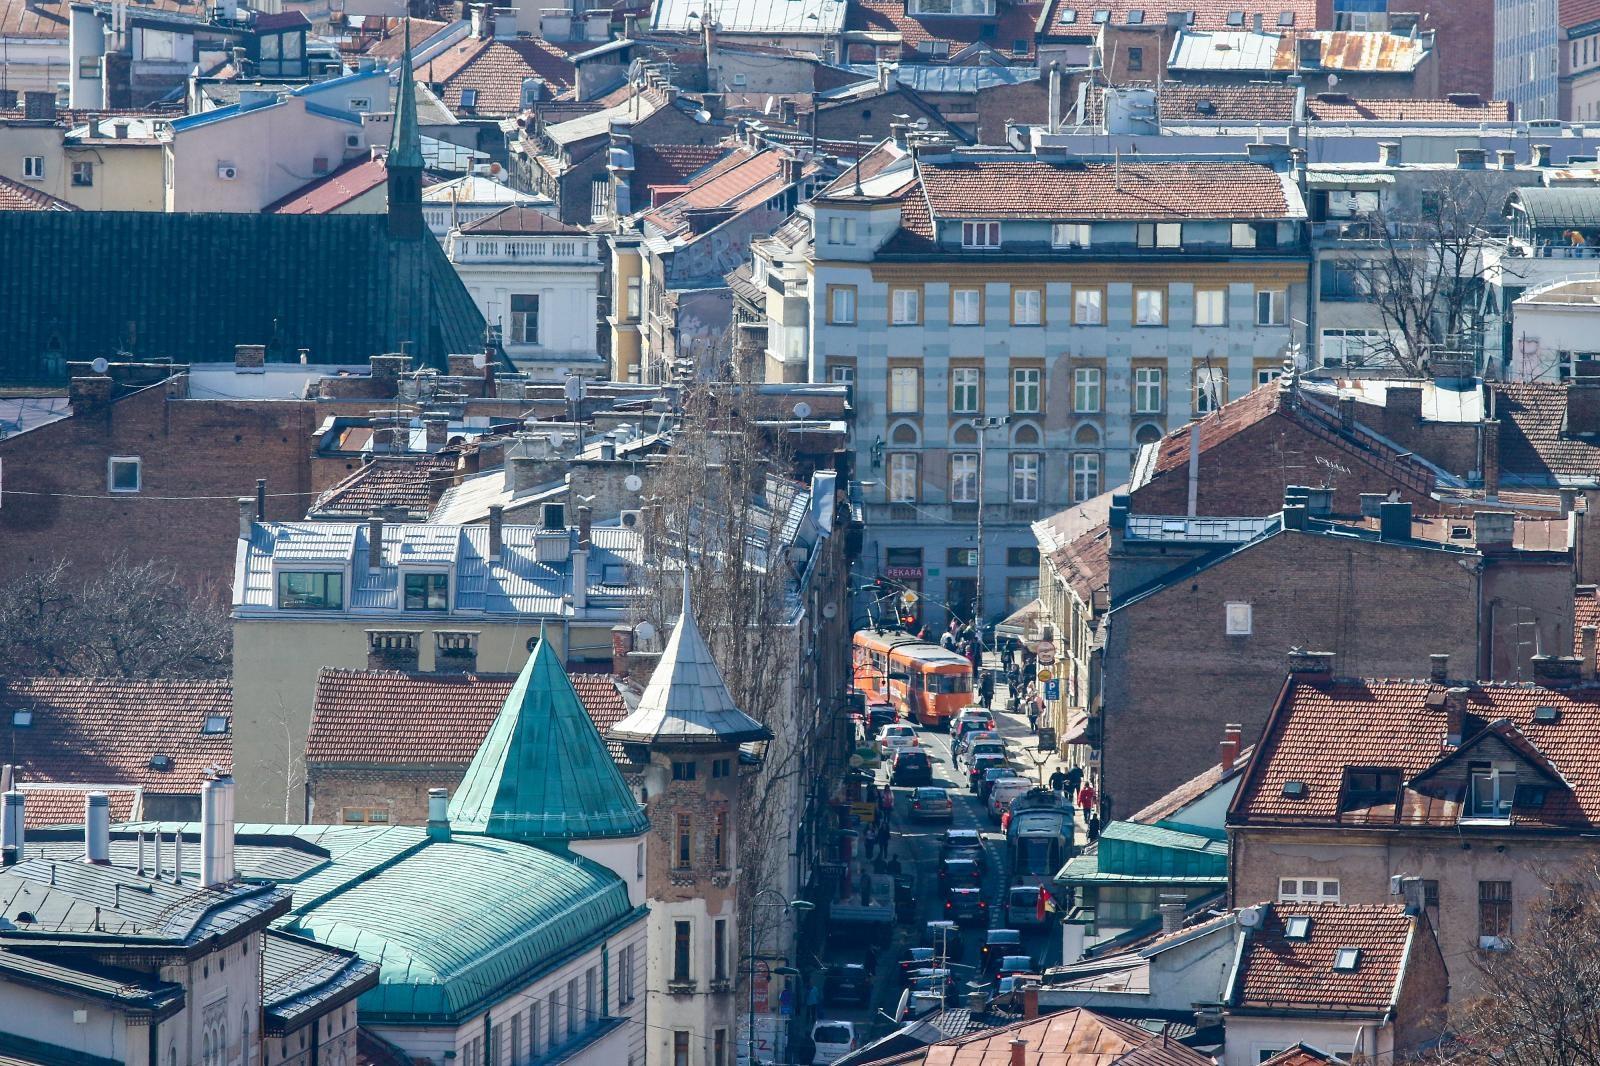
[1058,781]
[1074,781]
[883,835]
[1086,799]
[1094,827]
[986,689]
[1035,709]
[886,805]
[813,1000]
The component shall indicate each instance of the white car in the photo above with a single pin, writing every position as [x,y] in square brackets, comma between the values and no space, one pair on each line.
[1004,791]
[834,1040]
[896,737]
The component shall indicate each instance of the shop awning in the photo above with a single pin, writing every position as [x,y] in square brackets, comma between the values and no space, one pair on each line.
[1023,622]
[1077,727]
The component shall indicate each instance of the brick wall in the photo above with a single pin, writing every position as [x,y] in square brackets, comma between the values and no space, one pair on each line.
[1173,678]
[402,790]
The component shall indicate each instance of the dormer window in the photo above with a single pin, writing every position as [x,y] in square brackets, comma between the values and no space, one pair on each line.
[1490,791]
[427,592]
[1368,787]
[312,590]
[980,235]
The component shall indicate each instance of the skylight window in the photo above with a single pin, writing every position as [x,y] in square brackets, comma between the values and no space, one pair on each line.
[21,719]
[1297,928]
[1347,959]
[469,98]
[1236,18]
[1136,17]
[161,762]
[1102,17]
[214,724]
[1545,714]
[1294,789]
[1069,15]
[1286,18]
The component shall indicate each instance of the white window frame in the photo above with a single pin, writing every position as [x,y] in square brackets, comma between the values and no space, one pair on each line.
[1298,895]
[1210,307]
[905,307]
[518,321]
[1243,235]
[966,307]
[33,168]
[842,309]
[1272,307]
[905,390]
[1088,307]
[964,477]
[1070,235]
[1085,476]
[1150,307]
[841,231]
[1027,390]
[903,477]
[635,295]
[1164,235]
[966,390]
[82,174]
[1148,390]
[841,374]
[138,474]
[1499,798]
[1087,384]
[1025,477]
[1238,618]
[599,199]
[1027,307]
[980,236]
[1210,389]
[1266,375]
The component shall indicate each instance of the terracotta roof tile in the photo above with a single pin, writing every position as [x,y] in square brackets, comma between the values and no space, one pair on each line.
[495,71]
[1014,23]
[518,219]
[387,481]
[394,45]
[1575,13]
[1027,188]
[1074,1037]
[333,190]
[1336,107]
[736,182]
[1313,736]
[1208,14]
[15,196]
[1585,612]
[670,164]
[1304,1055]
[1276,972]
[1532,415]
[388,717]
[44,806]
[105,731]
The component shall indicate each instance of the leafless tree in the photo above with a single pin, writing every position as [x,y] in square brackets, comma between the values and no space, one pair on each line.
[127,620]
[1423,274]
[1539,1003]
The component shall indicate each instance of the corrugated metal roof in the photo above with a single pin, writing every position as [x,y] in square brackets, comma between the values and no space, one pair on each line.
[1563,206]
[752,16]
[1223,50]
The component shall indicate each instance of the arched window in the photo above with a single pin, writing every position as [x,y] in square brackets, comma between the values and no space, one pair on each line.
[965,434]
[1026,435]
[904,433]
[205,1048]
[244,1036]
[1086,435]
[1148,433]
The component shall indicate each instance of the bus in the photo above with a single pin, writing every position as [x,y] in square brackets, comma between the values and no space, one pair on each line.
[926,683]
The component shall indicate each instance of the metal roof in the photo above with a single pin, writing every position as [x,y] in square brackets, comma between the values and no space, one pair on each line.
[930,78]
[687,700]
[1562,206]
[543,773]
[300,977]
[752,16]
[1195,530]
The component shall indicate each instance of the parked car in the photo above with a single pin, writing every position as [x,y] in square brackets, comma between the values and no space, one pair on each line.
[992,775]
[972,736]
[960,873]
[896,737]
[932,803]
[997,944]
[833,1041]
[1003,791]
[963,844]
[880,715]
[1011,965]
[966,906]
[847,982]
[979,748]
[912,766]
[971,718]
[979,764]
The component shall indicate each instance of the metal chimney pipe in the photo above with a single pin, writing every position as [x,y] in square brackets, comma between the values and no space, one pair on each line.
[97,829]
[177,857]
[216,832]
[11,823]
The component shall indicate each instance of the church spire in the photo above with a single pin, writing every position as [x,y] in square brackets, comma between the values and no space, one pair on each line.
[404,162]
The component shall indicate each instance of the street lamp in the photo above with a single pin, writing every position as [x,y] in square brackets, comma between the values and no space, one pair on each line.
[982,426]
[801,907]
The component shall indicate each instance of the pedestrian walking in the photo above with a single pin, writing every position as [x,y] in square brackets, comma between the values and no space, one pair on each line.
[1058,781]
[813,1001]
[1035,709]
[986,689]
[1086,799]
[886,805]
[883,835]
[1074,780]
[1005,819]
[1094,826]
[975,655]
[870,845]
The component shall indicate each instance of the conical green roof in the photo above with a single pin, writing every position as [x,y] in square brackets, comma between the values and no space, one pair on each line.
[405,145]
[543,773]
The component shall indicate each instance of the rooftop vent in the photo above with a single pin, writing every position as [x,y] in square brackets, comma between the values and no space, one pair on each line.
[1546,714]
[1347,959]
[1297,928]
[1205,107]
[1294,789]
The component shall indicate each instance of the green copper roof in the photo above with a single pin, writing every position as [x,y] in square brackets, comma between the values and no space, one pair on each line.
[543,773]
[405,145]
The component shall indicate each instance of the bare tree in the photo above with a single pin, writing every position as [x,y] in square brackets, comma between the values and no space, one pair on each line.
[1539,1003]
[127,620]
[1423,273]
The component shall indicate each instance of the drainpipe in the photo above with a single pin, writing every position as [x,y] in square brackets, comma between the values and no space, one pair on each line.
[154,1050]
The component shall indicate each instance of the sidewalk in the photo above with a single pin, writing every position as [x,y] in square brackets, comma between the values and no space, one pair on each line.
[1014,728]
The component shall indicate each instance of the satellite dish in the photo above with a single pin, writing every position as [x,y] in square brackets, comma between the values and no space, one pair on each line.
[645,630]
[1333,79]
[633,482]
[802,410]
[1249,917]
[479,360]
[573,389]
[829,610]
[100,366]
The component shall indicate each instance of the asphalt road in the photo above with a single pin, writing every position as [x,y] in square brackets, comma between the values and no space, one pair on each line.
[917,845]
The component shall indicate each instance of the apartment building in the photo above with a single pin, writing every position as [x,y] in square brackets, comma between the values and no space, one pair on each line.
[1014,325]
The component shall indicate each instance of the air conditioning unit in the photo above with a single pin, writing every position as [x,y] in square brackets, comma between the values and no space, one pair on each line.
[227,171]
[352,140]
[632,519]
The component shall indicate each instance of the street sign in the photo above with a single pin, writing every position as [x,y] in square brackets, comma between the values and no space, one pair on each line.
[1047,739]
[1052,689]
[909,598]
[1045,675]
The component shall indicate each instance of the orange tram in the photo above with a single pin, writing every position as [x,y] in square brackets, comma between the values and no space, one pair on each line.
[927,683]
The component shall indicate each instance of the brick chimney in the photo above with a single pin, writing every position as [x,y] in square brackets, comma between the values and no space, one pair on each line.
[1557,671]
[1494,530]
[392,649]
[1030,1000]
[585,526]
[438,432]
[461,365]
[1019,1051]
[455,651]
[1540,155]
[497,522]
[1310,663]
[1439,668]
[1455,713]
[1588,653]
[387,368]
[1171,908]
[1232,739]
[250,357]
[88,395]
[621,646]
[374,543]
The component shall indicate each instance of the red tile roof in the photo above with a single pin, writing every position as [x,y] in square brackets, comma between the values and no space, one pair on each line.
[1337,107]
[496,69]
[1303,1055]
[1585,612]
[1532,415]
[42,806]
[517,220]
[387,481]
[1277,973]
[1322,725]
[388,717]
[105,731]
[1208,14]
[1046,189]
[15,196]
[1013,23]
[333,190]
[736,182]
[394,45]
[1075,1037]
[670,164]
[1575,13]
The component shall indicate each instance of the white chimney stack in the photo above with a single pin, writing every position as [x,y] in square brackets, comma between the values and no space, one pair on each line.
[97,829]
[11,823]
[438,814]
[216,832]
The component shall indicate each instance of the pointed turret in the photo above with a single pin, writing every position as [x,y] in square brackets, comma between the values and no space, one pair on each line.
[404,162]
[543,773]
[687,701]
